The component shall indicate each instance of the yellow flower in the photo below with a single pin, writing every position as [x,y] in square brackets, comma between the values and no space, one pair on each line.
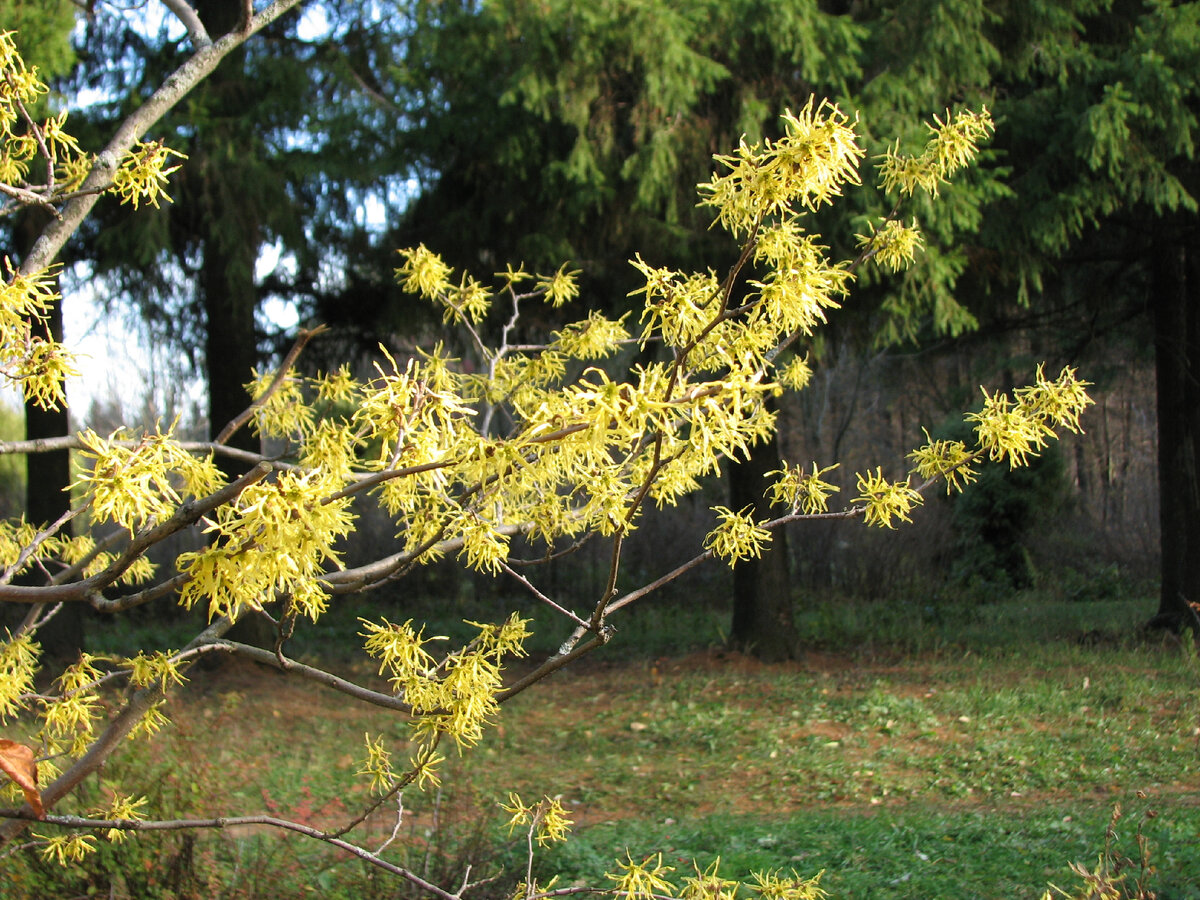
[885,500]
[737,536]
[644,880]
[561,287]
[803,492]
[143,173]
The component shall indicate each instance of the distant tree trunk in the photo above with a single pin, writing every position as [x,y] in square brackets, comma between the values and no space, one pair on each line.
[231,349]
[762,588]
[1175,291]
[48,475]
[230,236]
[227,231]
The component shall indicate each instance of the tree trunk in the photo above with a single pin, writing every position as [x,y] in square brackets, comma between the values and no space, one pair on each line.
[1175,291]
[48,475]
[230,236]
[228,230]
[231,350]
[762,588]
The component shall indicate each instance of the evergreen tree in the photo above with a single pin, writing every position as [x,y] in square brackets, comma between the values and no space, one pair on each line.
[284,140]
[1098,115]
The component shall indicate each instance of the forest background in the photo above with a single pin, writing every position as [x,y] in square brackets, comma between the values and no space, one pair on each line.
[544,132]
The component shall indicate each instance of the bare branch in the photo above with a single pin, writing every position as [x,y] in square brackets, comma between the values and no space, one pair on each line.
[349,580]
[23,817]
[291,666]
[533,590]
[103,604]
[191,21]
[285,366]
[554,663]
[37,616]
[26,198]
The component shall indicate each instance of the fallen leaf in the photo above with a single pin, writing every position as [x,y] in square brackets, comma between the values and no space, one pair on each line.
[18,763]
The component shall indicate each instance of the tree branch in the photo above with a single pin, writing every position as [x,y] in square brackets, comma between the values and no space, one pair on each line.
[173,89]
[187,514]
[24,816]
[357,691]
[191,21]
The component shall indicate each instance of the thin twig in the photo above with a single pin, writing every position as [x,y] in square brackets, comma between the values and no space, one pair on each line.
[533,590]
[38,539]
[25,816]
[395,828]
[302,339]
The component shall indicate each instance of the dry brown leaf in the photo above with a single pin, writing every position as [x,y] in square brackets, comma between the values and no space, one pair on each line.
[18,763]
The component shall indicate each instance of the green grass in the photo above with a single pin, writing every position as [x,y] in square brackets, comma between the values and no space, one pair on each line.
[972,756]
[917,852]
[999,727]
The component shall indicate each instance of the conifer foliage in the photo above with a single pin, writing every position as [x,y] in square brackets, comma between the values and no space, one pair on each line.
[585,447]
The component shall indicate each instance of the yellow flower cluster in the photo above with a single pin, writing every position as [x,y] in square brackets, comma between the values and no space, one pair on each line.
[156,668]
[592,338]
[952,145]
[808,167]
[130,483]
[547,819]
[454,696]
[1014,429]
[737,536]
[802,491]
[275,541]
[18,665]
[885,500]
[650,880]
[944,459]
[68,722]
[143,176]
[35,365]
[894,245]
[120,808]
[645,880]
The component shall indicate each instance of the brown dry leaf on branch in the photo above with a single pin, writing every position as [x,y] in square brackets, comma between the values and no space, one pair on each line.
[18,763]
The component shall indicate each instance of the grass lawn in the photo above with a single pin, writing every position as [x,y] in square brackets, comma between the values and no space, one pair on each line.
[976,768]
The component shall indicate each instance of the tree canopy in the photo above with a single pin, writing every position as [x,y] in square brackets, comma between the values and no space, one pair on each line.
[601,118]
